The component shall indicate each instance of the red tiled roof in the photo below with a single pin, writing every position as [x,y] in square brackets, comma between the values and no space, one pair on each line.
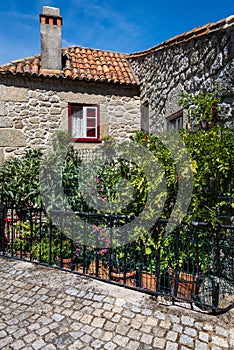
[194,33]
[81,64]
[103,66]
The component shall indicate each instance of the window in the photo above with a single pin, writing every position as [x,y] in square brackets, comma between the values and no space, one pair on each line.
[145,117]
[84,122]
[175,121]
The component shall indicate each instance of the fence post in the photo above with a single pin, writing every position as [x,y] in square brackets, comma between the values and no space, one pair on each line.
[3,212]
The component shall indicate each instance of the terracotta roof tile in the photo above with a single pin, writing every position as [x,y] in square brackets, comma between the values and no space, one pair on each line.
[194,33]
[81,64]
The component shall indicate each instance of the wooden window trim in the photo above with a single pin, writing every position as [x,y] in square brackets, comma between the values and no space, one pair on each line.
[84,139]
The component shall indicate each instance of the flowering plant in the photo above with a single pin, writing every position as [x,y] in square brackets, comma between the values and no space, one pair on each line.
[100,235]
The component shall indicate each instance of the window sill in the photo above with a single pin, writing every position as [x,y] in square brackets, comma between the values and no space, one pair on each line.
[86,140]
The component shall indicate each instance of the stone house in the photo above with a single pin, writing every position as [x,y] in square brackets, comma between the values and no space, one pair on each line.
[95,94]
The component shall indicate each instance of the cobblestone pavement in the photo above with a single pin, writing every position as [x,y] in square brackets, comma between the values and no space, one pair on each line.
[43,308]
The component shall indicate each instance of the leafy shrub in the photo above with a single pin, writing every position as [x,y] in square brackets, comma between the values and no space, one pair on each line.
[19,180]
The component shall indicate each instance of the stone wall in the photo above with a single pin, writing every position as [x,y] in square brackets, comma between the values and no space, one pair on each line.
[193,65]
[31,110]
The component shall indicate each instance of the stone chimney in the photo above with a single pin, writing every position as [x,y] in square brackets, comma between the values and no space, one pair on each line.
[51,38]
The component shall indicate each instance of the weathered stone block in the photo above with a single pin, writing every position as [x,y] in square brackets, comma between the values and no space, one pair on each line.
[5,122]
[12,93]
[12,138]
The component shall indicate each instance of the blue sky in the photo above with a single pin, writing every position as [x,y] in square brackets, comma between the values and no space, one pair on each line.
[124,26]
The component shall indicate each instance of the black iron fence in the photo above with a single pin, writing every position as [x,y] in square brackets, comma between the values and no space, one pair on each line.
[194,263]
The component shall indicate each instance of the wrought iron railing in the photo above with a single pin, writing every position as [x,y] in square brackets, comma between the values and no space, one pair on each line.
[194,263]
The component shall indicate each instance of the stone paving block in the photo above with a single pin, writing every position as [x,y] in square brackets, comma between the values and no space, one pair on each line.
[89,296]
[134,334]
[221,331]
[49,338]
[29,338]
[19,344]
[119,302]
[42,331]
[76,335]
[76,325]
[77,315]
[34,327]
[107,336]
[38,344]
[165,324]
[109,300]
[87,319]
[135,324]
[208,327]
[160,315]
[145,328]
[3,334]
[177,328]
[203,336]
[53,325]
[97,333]
[147,312]
[98,297]
[108,314]
[87,329]
[140,318]
[186,340]
[199,345]
[171,346]
[159,332]
[72,291]
[110,346]
[174,319]
[44,320]
[49,347]
[188,321]
[190,331]
[136,309]
[97,344]
[120,340]
[151,321]
[107,307]
[98,322]
[198,325]
[87,302]
[219,341]
[76,345]
[110,326]
[98,312]
[122,329]
[159,343]
[97,305]
[116,318]
[147,339]
[2,325]
[62,341]
[172,336]
[86,338]
[132,345]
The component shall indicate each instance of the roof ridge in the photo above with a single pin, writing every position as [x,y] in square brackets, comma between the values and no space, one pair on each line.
[95,49]
[193,33]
